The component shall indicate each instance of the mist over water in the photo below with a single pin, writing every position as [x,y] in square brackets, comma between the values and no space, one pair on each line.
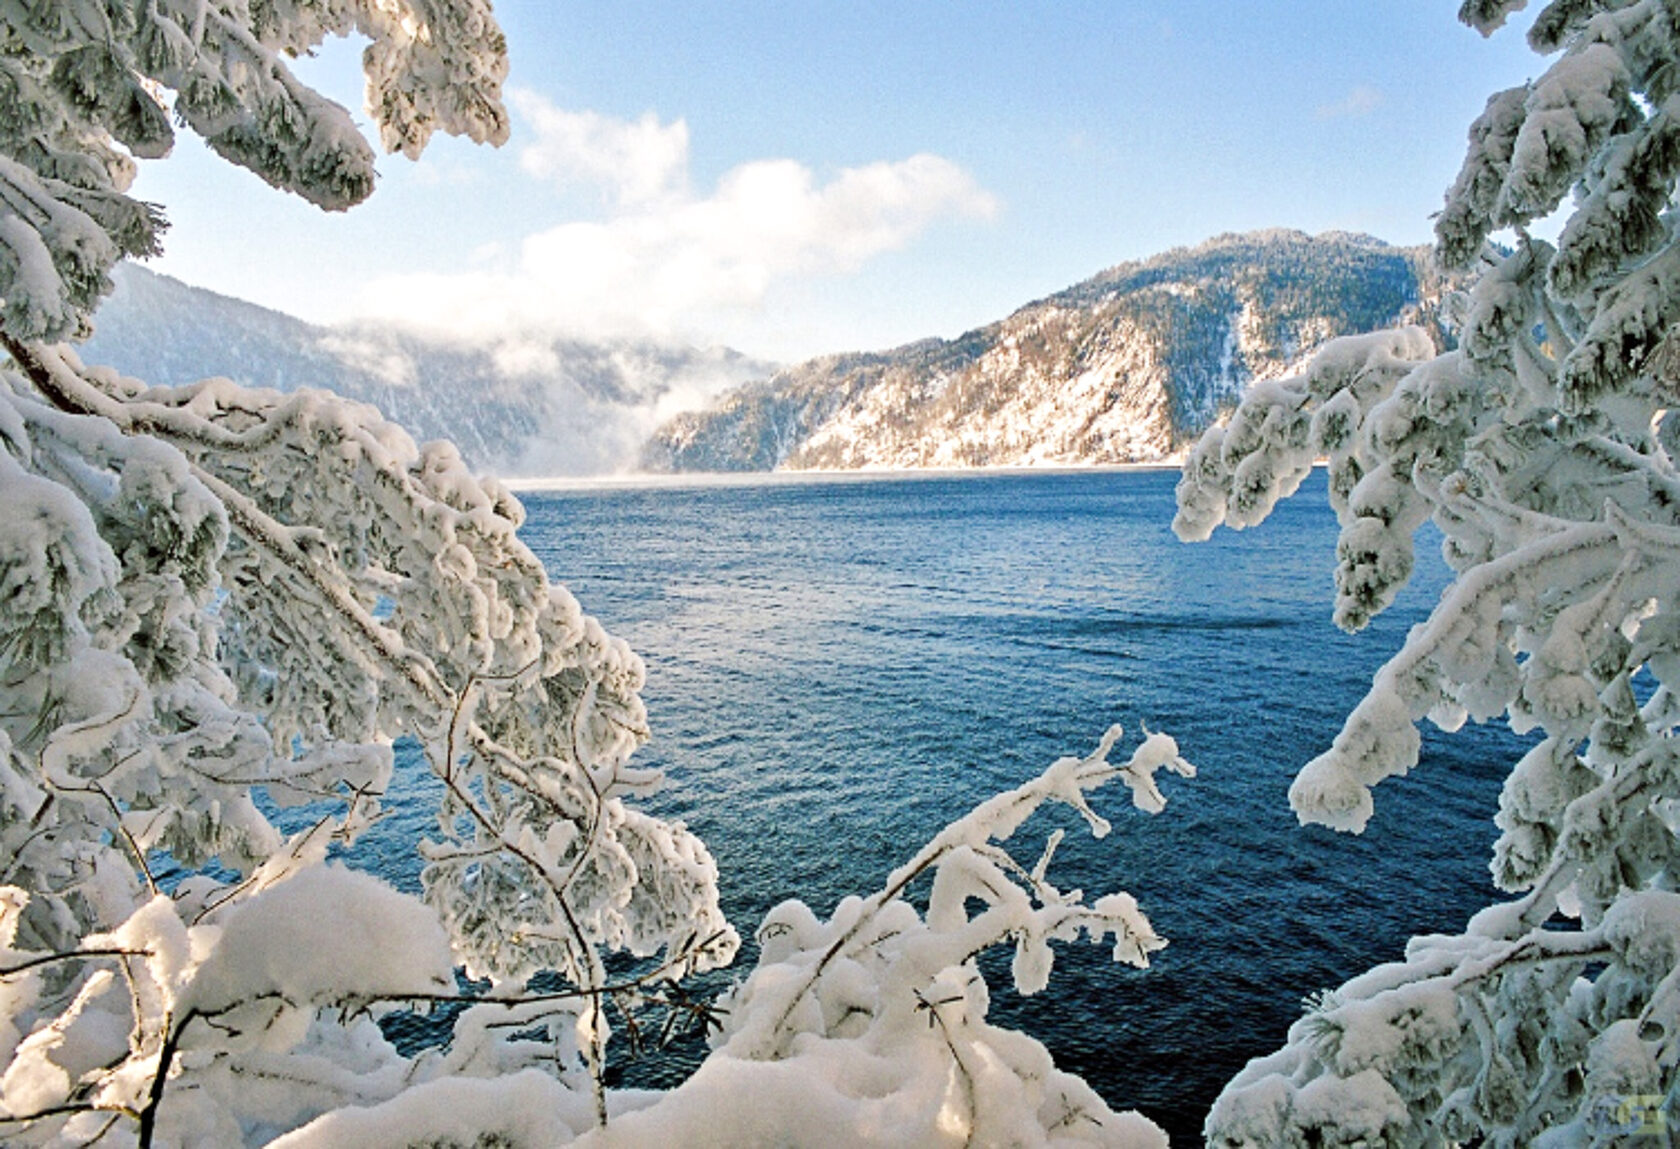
[837,668]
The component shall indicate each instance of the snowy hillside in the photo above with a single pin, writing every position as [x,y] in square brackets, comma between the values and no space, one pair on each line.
[550,407]
[1127,366]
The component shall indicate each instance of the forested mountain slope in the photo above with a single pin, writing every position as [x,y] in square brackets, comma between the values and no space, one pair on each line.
[1127,366]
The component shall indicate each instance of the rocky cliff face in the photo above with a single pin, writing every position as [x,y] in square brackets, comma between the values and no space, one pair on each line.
[1125,367]
[541,407]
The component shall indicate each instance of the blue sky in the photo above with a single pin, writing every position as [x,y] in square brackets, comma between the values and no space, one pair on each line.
[809,176]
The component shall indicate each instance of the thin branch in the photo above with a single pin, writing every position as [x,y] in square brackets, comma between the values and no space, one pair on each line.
[69,956]
[166,1059]
[64,1110]
[635,983]
[936,1018]
[234,891]
[99,1135]
[1538,948]
[591,962]
[133,846]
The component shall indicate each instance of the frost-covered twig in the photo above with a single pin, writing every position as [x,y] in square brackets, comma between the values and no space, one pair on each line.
[1066,781]
[872,981]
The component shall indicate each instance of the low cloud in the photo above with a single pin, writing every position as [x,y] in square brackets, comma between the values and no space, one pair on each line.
[1362,101]
[662,259]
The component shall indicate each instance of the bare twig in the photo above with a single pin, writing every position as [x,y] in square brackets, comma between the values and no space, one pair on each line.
[68,956]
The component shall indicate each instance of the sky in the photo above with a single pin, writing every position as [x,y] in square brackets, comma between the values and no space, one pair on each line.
[809,176]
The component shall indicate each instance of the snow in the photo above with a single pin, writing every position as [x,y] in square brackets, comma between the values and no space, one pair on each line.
[1643,930]
[1569,113]
[528,1109]
[327,935]
[843,1093]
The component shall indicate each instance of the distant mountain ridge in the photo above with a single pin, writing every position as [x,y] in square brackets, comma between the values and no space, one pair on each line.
[1127,366]
[538,407]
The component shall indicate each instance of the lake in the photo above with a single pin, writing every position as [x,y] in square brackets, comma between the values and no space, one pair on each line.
[838,666]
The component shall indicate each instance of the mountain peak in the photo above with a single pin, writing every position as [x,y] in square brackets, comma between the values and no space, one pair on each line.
[1125,366]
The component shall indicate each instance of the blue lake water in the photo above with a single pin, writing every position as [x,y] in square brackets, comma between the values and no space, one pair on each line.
[838,667]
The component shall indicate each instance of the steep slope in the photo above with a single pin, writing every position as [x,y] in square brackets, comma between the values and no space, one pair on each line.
[542,407]
[1126,366]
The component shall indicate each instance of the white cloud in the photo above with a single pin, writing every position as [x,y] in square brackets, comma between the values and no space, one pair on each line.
[388,364]
[664,260]
[1362,101]
[640,161]
[520,357]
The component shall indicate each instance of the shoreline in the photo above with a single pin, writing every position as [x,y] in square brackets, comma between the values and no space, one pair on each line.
[649,479]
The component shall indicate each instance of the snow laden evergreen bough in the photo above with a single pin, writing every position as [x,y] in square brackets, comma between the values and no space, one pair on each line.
[216,600]
[1543,449]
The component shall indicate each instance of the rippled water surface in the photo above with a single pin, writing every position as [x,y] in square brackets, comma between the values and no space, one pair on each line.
[838,667]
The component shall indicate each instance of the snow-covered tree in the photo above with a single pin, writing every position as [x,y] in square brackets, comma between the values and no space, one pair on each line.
[87,85]
[1543,447]
[217,600]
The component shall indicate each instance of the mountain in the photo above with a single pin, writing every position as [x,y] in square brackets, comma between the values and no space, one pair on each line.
[1127,366]
[537,407]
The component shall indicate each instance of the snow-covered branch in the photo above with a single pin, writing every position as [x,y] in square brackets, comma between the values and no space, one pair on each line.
[89,85]
[1538,448]
[883,989]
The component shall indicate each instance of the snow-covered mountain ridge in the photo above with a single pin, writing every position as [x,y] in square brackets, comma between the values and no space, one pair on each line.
[540,406]
[1127,366]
